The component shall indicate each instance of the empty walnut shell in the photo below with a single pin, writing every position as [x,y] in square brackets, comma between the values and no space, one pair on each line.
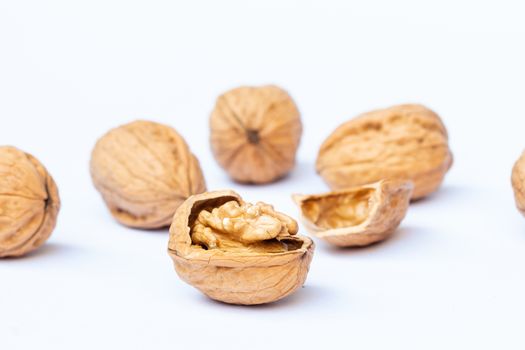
[234,259]
[358,216]
[255,132]
[144,171]
[518,183]
[29,203]
[407,142]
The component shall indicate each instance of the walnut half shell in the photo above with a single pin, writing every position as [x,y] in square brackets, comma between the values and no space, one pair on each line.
[29,203]
[358,216]
[407,142]
[236,252]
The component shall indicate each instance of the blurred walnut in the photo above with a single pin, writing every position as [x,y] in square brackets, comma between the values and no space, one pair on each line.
[518,183]
[407,142]
[237,252]
[144,171]
[255,132]
[29,203]
[357,216]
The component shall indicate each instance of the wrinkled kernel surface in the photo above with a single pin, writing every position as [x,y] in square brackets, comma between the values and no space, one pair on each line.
[243,227]
[337,211]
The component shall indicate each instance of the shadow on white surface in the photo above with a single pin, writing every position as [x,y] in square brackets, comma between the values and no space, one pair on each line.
[154,231]
[48,250]
[400,238]
[445,193]
[302,173]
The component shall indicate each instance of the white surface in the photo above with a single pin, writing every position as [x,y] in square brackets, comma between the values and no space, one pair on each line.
[452,276]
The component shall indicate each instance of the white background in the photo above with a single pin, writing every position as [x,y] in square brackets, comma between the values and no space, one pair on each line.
[452,276]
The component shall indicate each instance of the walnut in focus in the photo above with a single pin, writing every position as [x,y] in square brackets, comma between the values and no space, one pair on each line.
[236,252]
[144,171]
[255,133]
[357,216]
[243,227]
[29,203]
[407,142]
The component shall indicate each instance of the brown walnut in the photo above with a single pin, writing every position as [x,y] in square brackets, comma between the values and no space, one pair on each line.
[236,252]
[518,183]
[144,171]
[407,142]
[357,216]
[255,133]
[29,203]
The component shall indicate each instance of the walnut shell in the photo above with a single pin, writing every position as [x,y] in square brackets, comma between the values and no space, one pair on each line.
[518,183]
[255,133]
[233,275]
[144,171]
[29,203]
[357,216]
[407,142]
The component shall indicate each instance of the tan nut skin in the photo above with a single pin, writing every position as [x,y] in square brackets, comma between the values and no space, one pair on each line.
[407,142]
[255,132]
[235,277]
[518,183]
[29,203]
[144,171]
[358,216]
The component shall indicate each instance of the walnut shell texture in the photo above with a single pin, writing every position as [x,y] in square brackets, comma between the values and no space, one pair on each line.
[144,171]
[245,277]
[518,183]
[407,142]
[358,216]
[255,133]
[29,203]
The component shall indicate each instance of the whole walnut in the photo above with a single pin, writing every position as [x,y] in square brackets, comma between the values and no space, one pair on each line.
[405,142]
[144,171]
[255,133]
[29,203]
[518,183]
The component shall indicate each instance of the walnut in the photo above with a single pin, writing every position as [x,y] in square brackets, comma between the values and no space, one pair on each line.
[518,183]
[255,133]
[236,252]
[357,216]
[407,142]
[144,171]
[29,203]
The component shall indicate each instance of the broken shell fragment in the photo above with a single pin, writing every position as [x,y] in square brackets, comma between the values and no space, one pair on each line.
[236,252]
[357,216]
